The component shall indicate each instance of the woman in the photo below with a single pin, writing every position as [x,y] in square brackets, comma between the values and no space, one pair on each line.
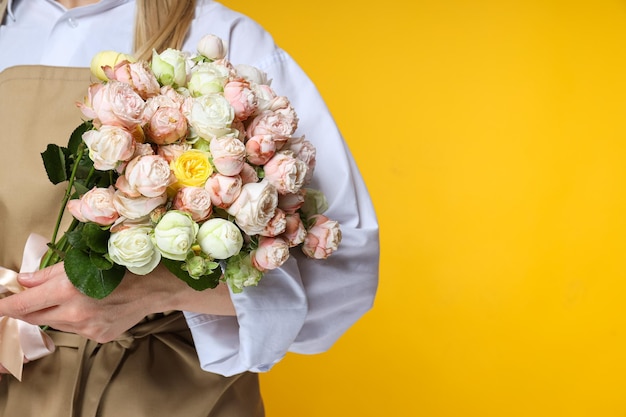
[120,356]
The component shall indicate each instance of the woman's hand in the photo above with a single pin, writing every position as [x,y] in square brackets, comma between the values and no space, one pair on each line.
[51,299]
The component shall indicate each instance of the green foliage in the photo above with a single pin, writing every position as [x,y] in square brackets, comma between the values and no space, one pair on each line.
[204,282]
[88,277]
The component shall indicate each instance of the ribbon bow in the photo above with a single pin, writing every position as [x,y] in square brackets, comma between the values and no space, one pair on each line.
[18,339]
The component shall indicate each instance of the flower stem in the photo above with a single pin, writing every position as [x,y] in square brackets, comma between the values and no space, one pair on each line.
[54,253]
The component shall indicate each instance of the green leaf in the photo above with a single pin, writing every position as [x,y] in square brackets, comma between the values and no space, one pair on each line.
[88,278]
[96,238]
[80,189]
[54,162]
[76,138]
[100,261]
[204,282]
[75,238]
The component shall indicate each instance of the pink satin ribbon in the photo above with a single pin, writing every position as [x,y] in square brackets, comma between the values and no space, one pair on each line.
[20,340]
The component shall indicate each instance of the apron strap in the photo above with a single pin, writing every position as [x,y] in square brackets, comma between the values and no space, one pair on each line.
[3,9]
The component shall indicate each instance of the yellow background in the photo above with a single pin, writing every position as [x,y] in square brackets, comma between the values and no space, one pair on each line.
[492,137]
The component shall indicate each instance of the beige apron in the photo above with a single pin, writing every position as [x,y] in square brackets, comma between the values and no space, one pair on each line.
[153,369]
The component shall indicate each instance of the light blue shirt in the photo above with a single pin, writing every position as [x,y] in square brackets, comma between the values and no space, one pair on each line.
[305,305]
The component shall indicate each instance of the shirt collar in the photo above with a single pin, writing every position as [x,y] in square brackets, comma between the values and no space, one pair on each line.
[102,5]
[10,10]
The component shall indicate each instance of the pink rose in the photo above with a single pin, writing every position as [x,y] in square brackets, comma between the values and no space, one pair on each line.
[285,172]
[276,225]
[177,99]
[239,130]
[146,175]
[173,151]
[260,148]
[255,207]
[295,232]
[242,98]
[136,207]
[248,174]
[96,206]
[322,239]
[109,146]
[223,189]
[271,253]
[114,103]
[137,74]
[167,125]
[194,200]
[265,96]
[228,154]
[290,203]
[304,151]
[279,125]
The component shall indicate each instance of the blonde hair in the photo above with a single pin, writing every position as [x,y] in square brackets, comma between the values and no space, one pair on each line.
[161,24]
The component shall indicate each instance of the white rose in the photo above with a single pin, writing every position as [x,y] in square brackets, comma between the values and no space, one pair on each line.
[219,238]
[252,74]
[175,234]
[170,67]
[255,207]
[109,146]
[133,248]
[136,207]
[212,47]
[207,78]
[211,116]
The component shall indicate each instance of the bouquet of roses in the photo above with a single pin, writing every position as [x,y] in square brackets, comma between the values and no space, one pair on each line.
[190,162]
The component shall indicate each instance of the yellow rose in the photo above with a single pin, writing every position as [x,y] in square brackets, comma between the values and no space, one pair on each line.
[110,58]
[192,168]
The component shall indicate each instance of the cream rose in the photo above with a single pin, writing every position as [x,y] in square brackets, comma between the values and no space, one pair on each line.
[219,238]
[170,67]
[207,78]
[133,248]
[109,146]
[254,207]
[175,234]
[211,116]
[212,47]
[136,207]
[252,74]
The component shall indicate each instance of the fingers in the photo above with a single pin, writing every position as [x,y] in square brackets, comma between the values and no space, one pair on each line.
[32,279]
[50,288]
